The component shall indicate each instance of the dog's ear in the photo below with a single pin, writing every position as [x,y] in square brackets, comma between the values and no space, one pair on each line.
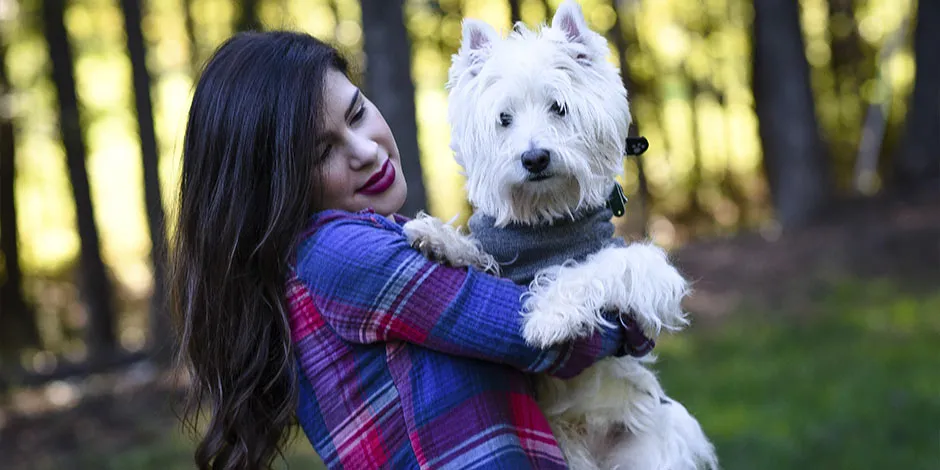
[478,38]
[477,35]
[570,20]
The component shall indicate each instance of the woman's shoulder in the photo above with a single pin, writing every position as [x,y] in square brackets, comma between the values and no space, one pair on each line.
[367,218]
[331,229]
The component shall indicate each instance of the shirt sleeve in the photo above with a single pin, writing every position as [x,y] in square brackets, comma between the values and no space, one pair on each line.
[371,286]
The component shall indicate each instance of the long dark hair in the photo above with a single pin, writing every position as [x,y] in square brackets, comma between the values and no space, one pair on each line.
[249,180]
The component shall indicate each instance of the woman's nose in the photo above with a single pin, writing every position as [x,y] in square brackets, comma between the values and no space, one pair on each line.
[364,151]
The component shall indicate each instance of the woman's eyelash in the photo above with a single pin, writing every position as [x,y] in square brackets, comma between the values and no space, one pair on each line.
[326,152]
[354,119]
[359,114]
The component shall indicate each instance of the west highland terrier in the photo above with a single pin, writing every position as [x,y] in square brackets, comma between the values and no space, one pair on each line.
[539,123]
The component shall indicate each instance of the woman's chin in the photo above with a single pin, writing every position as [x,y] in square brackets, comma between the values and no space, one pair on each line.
[397,198]
[391,201]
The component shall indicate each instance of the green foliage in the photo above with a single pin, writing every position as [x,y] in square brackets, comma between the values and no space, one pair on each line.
[689,66]
[850,381]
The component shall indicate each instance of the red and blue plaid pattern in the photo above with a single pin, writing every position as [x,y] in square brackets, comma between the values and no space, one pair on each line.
[406,363]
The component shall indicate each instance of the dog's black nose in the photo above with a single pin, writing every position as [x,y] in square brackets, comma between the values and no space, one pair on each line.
[535,160]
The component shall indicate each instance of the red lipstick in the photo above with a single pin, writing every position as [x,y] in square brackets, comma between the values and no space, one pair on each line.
[380,181]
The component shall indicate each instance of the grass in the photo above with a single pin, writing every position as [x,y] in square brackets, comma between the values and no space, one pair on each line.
[850,382]
[173,452]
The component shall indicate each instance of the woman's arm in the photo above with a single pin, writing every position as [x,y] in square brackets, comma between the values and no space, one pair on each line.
[369,285]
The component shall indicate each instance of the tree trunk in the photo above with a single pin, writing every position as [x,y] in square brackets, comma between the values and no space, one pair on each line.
[876,119]
[17,322]
[160,330]
[334,9]
[636,221]
[94,283]
[548,11]
[515,13]
[917,165]
[189,25]
[794,159]
[847,65]
[248,19]
[389,85]
[846,49]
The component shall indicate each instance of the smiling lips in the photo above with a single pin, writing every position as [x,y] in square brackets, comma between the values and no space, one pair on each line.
[380,181]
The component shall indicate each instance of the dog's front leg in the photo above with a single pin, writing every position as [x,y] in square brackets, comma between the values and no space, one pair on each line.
[655,288]
[568,301]
[443,242]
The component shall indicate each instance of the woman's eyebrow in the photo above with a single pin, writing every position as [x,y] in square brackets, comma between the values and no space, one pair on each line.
[352,104]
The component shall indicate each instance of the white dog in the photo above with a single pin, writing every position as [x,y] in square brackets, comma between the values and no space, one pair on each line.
[539,124]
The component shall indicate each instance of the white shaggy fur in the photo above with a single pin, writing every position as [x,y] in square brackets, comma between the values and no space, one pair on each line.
[444,242]
[553,91]
[523,77]
[638,277]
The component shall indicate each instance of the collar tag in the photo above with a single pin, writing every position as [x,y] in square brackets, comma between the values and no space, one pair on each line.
[637,145]
[617,201]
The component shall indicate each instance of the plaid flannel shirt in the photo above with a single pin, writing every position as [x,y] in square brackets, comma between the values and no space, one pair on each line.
[407,363]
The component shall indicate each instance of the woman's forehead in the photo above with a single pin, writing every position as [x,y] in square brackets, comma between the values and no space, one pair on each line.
[338,95]
[337,88]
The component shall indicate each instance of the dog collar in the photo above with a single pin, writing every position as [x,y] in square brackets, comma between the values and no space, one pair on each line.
[637,145]
[617,201]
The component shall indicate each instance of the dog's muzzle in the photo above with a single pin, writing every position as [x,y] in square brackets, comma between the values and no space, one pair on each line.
[536,161]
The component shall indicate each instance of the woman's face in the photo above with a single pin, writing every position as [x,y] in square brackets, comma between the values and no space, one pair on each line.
[362,168]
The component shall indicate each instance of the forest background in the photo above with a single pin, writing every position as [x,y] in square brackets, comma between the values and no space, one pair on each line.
[793,171]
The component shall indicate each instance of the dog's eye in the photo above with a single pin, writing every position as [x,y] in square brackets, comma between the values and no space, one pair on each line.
[505,119]
[559,109]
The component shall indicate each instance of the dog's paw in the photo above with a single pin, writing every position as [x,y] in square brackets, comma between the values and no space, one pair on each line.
[562,303]
[657,289]
[442,242]
[545,329]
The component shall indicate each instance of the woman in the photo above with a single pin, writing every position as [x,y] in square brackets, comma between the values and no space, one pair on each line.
[299,296]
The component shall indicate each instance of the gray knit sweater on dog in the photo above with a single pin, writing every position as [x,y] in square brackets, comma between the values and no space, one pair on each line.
[522,250]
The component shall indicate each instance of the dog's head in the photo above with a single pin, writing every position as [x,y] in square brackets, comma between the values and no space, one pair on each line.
[539,120]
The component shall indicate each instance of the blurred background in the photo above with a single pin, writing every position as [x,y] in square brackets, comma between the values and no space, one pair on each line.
[793,171]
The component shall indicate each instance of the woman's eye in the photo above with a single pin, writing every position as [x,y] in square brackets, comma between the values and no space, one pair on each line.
[359,114]
[559,109]
[505,119]
[326,152]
